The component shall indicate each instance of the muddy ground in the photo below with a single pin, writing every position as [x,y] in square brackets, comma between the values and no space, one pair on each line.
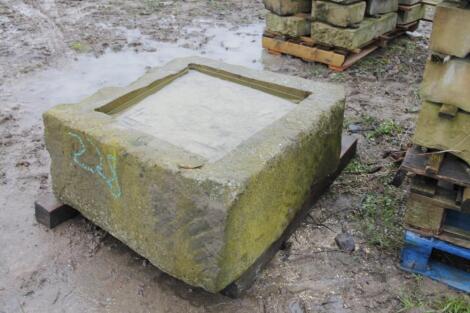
[56,51]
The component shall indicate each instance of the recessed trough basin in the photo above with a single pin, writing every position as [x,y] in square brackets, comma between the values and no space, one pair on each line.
[199,166]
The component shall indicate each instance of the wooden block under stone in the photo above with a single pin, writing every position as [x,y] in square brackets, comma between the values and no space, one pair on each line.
[423,215]
[50,212]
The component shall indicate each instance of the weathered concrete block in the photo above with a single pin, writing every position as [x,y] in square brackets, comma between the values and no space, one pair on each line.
[288,7]
[295,26]
[353,38]
[415,13]
[376,7]
[336,14]
[435,132]
[199,166]
[450,30]
[447,83]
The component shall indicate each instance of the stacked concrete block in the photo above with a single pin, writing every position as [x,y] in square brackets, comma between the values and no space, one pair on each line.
[439,202]
[352,24]
[444,121]
[338,14]
[378,7]
[353,38]
[288,17]
[411,13]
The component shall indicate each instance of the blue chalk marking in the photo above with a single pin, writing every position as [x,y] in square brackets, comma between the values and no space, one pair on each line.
[113,181]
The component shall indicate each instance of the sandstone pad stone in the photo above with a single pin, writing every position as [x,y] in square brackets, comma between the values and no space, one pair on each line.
[448,83]
[288,7]
[433,131]
[353,38]
[198,166]
[450,30]
[342,15]
[295,26]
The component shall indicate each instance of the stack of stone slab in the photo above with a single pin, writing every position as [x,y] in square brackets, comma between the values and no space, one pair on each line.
[352,24]
[444,120]
[440,191]
[288,17]
[410,11]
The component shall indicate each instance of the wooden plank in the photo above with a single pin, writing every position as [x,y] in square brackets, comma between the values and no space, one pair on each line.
[435,195]
[448,111]
[307,53]
[452,169]
[466,200]
[424,185]
[354,58]
[235,289]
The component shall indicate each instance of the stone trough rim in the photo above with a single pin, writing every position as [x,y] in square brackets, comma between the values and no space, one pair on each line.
[272,138]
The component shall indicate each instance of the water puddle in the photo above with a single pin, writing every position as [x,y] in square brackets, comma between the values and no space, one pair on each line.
[76,79]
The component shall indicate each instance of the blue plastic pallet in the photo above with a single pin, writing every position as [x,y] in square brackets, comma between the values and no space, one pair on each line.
[416,258]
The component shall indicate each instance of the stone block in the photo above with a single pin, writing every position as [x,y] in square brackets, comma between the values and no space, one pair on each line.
[433,131]
[412,14]
[450,30]
[343,15]
[198,166]
[447,83]
[288,7]
[295,26]
[353,38]
[409,2]
[376,7]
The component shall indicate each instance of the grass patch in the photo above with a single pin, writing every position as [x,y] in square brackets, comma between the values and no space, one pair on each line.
[357,167]
[412,300]
[386,128]
[454,305]
[381,220]
[80,47]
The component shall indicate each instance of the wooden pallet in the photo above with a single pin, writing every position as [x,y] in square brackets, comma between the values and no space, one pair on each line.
[419,256]
[337,59]
[51,213]
[439,201]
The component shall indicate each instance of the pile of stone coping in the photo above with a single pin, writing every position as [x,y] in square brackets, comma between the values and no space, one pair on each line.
[444,119]
[442,133]
[346,24]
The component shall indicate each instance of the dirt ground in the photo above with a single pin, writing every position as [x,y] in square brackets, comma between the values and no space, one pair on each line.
[56,51]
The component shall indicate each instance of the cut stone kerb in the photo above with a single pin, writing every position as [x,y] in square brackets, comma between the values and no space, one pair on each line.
[200,216]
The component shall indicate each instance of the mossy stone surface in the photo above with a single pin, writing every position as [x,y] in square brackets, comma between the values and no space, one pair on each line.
[204,222]
[450,30]
[353,38]
[415,13]
[288,7]
[433,131]
[336,14]
[447,82]
[294,26]
[376,7]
